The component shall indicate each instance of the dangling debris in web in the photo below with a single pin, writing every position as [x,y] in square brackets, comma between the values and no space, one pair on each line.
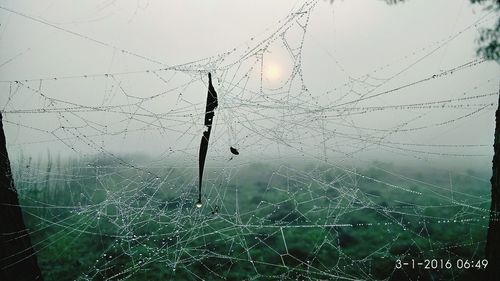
[209,117]
[234,151]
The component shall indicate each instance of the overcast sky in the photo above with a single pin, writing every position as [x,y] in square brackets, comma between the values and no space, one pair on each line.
[293,77]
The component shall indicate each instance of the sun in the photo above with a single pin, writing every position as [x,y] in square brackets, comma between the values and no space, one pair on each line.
[272,71]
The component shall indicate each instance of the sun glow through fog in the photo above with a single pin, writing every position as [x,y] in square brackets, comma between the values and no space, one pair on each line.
[272,71]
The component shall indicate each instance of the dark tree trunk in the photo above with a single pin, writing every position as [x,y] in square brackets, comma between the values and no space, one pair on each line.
[493,240]
[17,259]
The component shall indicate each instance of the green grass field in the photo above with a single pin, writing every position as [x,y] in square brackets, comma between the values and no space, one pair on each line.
[96,220]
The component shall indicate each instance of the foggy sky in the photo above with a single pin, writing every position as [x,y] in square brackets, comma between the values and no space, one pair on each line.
[343,42]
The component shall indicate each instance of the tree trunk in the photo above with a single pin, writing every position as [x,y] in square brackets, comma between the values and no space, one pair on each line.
[17,258]
[493,240]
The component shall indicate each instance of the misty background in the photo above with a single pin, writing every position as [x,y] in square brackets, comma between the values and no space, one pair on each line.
[99,77]
[364,133]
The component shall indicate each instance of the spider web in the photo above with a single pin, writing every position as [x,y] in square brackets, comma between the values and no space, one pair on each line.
[301,195]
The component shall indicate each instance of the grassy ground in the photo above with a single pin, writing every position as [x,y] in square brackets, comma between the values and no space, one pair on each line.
[94,220]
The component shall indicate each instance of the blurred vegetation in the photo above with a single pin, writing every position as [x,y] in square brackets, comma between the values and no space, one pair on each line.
[92,219]
[489,45]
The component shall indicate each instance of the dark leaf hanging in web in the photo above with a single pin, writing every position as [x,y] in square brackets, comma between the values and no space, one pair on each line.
[209,117]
